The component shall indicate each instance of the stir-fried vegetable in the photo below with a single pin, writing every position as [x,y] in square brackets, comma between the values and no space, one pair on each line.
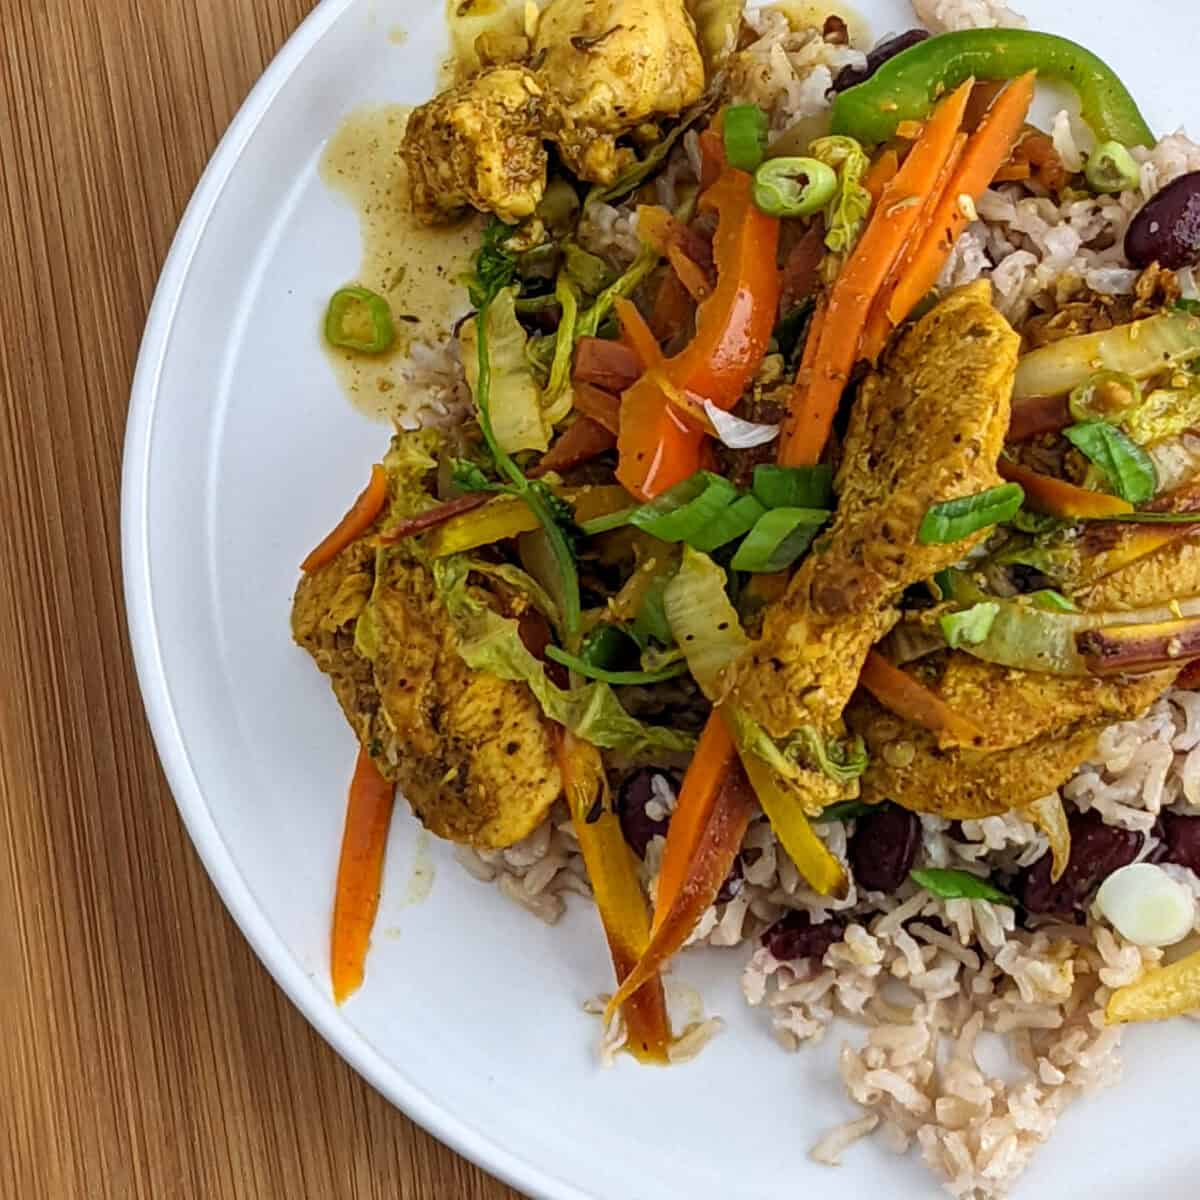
[704,622]
[806,749]
[1161,993]
[618,678]
[360,871]
[1135,648]
[907,87]
[900,693]
[848,206]
[793,487]
[612,872]
[1057,498]
[359,319]
[794,187]
[1126,467]
[970,626]
[954,520]
[362,515]
[1111,168]
[1139,349]
[950,884]
[1106,396]
[745,131]
[778,539]
[1050,817]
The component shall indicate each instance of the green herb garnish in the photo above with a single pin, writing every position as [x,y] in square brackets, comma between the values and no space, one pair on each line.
[949,884]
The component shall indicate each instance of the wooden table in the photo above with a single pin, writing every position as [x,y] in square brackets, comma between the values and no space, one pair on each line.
[144,1052]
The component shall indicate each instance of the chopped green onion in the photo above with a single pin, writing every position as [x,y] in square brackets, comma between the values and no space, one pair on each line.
[1052,601]
[1127,467]
[738,519]
[794,187]
[617,678]
[359,319]
[793,487]
[953,520]
[686,510]
[950,884]
[1106,396]
[1111,168]
[746,130]
[608,522]
[609,648]
[779,538]
[847,810]
[970,626]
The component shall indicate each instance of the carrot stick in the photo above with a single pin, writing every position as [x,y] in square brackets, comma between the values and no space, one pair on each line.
[815,402]
[1057,498]
[733,806]
[710,764]
[360,869]
[900,693]
[638,334]
[879,326]
[987,150]
[622,906]
[358,520]
[883,171]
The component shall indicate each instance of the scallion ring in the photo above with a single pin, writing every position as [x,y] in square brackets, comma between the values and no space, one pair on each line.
[746,129]
[1111,168]
[793,187]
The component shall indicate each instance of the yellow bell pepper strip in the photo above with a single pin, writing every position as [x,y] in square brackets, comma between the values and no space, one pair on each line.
[1057,498]
[813,859]
[658,449]
[497,518]
[900,693]
[362,515]
[612,872]
[815,401]
[1162,992]
[360,870]
[709,866]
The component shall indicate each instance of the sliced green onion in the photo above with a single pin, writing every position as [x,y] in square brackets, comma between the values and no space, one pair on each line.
[950,884]
[1111,168]
[970,626]
[953,520]
[618,678]
[746,129]
[794,187]
[1127,467]
[686,510]
[793,487]
[608,522]
[738,519]
[359,319]
[779,538]
[1052,601]
[1106,396]
[609,648]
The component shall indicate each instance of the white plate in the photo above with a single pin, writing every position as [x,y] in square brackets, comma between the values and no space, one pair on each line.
[240,449]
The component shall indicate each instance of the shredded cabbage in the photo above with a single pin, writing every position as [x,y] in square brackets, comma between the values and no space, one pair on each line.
[846,213]
[489,642]
[704,622]
[807,749]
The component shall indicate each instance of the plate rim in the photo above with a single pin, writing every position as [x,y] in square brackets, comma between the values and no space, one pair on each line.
[238,899]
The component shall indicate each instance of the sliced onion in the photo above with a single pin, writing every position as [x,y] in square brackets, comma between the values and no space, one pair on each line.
[1050,817]
[736,433]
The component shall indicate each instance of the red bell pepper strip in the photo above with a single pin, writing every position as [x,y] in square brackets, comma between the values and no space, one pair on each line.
[733,327]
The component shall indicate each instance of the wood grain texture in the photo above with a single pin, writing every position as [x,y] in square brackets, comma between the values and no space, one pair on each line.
[143,1050]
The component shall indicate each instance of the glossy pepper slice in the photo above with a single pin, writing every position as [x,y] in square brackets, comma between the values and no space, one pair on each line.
[906,88]
[359,319]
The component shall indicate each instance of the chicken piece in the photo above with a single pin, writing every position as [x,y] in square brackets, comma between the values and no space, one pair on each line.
[479,145]
[607,67]
[471,752]
[1169,573]
[927,428]
[1038,728]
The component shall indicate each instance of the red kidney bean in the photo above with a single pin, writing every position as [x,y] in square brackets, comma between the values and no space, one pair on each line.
[847,77]
[1167,228]
[884,848]
[635,793]
[1097,850]
[795,937]
[1181,840]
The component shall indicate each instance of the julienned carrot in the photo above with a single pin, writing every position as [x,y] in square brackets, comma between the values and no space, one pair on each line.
[733,807]
[357,521]
[691,274]
[639,336]
[879,326]
[1057,498]
[360,869]
[815,402]
[622,906]
[987,150]
[710,764]
[900,693]
[883,171]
